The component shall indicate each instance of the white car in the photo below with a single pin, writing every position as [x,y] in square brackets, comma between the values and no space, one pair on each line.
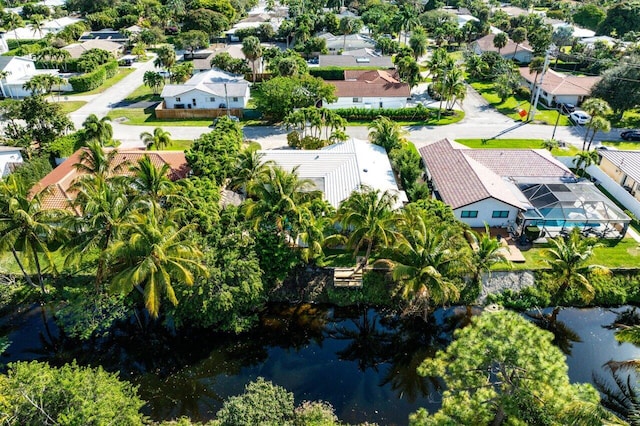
[580,117]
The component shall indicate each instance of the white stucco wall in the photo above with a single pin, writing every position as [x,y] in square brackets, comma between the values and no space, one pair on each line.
[485,209]
[205,100]
[347,102]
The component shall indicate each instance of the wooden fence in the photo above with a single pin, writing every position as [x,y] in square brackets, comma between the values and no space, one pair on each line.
[163,113]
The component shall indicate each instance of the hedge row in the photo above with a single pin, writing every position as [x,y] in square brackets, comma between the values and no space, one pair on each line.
[94,79]
[419,113]
[335,73]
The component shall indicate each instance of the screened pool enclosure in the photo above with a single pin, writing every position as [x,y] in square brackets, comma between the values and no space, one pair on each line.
[558,206]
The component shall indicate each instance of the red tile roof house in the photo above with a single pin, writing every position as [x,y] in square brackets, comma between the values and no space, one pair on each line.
[515,188]
[523,53]
[58,183]
[370,89]
[560,88]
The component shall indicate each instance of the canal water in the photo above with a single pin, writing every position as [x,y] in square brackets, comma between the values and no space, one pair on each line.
[361,360]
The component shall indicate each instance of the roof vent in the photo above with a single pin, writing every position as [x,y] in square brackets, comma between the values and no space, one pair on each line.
[363,60]
[365,170]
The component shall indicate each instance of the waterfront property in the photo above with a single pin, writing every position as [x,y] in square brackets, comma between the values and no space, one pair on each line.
[338,170]
[59,182]
[370,89]
[517,189]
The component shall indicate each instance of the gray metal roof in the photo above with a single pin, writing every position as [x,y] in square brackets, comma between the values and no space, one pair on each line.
[627,161]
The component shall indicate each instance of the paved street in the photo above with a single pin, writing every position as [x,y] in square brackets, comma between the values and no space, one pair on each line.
[481,121]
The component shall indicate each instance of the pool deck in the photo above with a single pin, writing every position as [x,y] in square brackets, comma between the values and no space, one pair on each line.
[512,252]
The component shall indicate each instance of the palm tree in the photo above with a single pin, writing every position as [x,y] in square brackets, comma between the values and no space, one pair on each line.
[98,130]
[151,183]
[598,109]
[155,254]
[550,144]
[160,139]
[13,21]
[569,262]
[94,161]
[422,263]
[3,76]
[476,66]
[487,252]
[36,23]
[153,80]
[418,42]
[386,133]
[406,19]
[166,57]
[105,207]
[584,159]
[27,228]
[280,197]
[349,26]
[366,216]
[500,40]
[252,50]
[519,35]
[596,124]
[249,169]
[451,88]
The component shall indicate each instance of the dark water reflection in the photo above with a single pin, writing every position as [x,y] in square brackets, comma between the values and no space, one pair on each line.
[363,361]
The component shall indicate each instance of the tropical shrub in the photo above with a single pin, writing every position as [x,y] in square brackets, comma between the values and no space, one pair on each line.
[419,113]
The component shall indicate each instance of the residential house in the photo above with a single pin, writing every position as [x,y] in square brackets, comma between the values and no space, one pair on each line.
[18,70]
[624,168]
[522,52]
[201,60]
[337,43]
[560,88]
[54,26]
[516,189]
[208,92]
[10,157]
[370,89]
[338,170]
[58,183]
[77,49]
[106,34]
[577,32]
[365,58]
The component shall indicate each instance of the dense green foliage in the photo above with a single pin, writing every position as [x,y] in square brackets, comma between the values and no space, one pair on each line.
[419,113]
[503,369]
[95,78]
[35,393]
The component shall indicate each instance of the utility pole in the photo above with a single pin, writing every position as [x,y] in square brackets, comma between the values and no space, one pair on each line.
[538,88]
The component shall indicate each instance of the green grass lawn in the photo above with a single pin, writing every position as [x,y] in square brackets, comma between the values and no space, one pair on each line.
[143,94]
[179,145]
[512,105]
[630,119]
[623,253]
[122,73]
[628,146]
[147,117]
[71,106]
[516,144]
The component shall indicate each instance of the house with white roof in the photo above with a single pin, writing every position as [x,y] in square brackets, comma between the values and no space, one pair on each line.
[370,89]
[336,43]
[19,71]
[338,170]
[516,189]
[10,157]
[558,88]
[213,89]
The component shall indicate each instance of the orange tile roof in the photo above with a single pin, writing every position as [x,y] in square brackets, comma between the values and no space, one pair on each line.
[562,84]
[56,185]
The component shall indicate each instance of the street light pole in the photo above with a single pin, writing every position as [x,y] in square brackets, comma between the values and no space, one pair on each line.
[553,135]
[539,87]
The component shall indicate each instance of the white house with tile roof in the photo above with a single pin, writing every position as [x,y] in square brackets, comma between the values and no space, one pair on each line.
[370,89]
[516,188]
[558,88]
[338,170]
[207,90]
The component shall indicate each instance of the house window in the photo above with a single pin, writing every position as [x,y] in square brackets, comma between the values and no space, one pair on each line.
[500,213]
[469,213]
[178,100]
[357,100]
[212,99]
[193,101]
[235,99]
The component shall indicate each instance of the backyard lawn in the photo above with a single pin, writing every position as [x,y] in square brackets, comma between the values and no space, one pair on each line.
[515,144]
[143,94]
[147,117]
[512,105]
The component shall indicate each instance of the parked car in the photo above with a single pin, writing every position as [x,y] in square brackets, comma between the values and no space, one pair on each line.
[567,108]
[580,117]
[630,135]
